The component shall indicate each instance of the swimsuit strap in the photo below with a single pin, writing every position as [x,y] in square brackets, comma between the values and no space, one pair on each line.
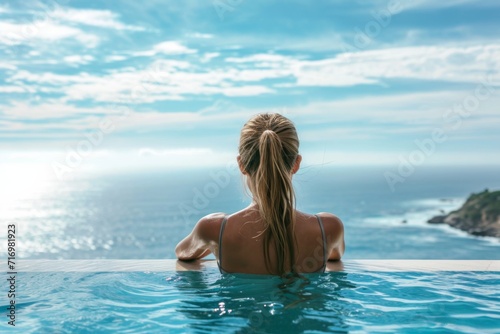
[320,222]
[222,226]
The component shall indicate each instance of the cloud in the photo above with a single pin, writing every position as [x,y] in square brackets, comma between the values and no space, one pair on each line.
[172,76]
[431,4]
[170,79]
[265,58]
[168,48]
[411,109]
[12,89]
[62,24]
[162,80]
[200,35]
[402,112]
[251,90]
[17,33]
[147,151]
[78,59]
[17,118]
[92,17]
[221,107]
[341,128]
[7,66]
[113,58]
[20,110]
[453,64]
[49,78]
[209,56]
[332,72]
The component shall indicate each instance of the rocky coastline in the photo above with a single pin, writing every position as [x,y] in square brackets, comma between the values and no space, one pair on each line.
[480,215]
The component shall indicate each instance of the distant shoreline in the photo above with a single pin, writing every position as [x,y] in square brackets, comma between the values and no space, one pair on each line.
[479,215]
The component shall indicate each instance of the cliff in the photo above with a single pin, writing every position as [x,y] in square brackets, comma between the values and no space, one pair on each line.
[480,215]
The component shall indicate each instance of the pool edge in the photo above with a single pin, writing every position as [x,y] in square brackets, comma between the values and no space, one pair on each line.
[107,265]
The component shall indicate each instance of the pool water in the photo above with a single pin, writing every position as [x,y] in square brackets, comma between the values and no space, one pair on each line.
[206,302]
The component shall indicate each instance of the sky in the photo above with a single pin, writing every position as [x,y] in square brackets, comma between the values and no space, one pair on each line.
[171,83]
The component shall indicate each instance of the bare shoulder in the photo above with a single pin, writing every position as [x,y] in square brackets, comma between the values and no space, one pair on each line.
[208,227]
[213,217]
[332,223]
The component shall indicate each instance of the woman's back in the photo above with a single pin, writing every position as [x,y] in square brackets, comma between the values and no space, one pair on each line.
[238,242]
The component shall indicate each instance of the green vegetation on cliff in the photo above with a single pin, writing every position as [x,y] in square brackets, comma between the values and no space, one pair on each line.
[484,204]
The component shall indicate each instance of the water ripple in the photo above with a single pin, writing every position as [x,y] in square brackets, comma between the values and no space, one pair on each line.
[204,302]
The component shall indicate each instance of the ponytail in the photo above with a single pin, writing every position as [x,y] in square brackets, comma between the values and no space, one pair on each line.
[276,200]
[268,149]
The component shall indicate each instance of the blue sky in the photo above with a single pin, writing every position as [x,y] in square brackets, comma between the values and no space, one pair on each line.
[174,81]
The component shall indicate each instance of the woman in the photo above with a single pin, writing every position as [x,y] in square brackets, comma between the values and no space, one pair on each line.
[269,236]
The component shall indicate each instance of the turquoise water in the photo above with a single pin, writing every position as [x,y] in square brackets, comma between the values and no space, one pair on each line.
[206,302]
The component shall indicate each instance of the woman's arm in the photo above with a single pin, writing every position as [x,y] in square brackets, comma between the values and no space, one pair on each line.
[201,240]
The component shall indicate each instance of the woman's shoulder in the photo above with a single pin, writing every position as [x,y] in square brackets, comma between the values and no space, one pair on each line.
[334,230]
[209,226]
[213,217]
[331,223]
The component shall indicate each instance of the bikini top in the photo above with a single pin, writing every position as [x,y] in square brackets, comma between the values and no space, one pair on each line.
[223,225]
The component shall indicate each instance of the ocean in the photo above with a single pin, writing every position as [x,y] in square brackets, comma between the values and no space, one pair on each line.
[144,214]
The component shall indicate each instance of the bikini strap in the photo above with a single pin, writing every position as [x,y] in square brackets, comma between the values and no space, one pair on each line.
[222,226]
[320,222]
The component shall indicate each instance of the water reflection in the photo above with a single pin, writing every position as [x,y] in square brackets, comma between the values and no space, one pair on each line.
[263,304]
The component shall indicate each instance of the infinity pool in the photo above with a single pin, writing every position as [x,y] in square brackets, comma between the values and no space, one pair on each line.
[203,301]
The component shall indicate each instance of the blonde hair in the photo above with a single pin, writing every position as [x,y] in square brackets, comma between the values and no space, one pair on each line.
[268,149]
